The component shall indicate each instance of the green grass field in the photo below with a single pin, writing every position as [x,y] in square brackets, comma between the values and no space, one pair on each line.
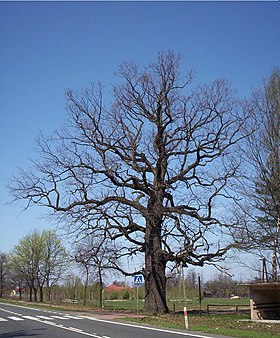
[175,305]
[228,324]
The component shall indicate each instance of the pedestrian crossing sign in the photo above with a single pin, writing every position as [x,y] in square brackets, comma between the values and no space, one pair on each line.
[138,280]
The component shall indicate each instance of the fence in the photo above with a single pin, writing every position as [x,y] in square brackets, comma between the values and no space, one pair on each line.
[227,308]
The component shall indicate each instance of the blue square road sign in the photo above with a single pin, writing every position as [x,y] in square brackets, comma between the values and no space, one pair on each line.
[138,280]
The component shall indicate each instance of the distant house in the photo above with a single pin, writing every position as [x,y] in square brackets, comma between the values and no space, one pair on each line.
[207,294]
[116,288]
[114,291]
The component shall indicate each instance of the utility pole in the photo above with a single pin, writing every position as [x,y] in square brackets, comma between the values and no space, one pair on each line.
[183,283]
[274,256]
[264,271]
[199,293]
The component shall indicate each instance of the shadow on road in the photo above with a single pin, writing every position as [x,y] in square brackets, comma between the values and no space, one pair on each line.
[21,333]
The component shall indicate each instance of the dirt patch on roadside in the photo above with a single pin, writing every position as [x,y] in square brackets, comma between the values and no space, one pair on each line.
[110,315]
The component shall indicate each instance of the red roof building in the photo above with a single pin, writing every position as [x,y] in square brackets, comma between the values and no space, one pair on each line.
[114,287]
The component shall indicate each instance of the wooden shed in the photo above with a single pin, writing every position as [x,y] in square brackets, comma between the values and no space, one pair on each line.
[265,301]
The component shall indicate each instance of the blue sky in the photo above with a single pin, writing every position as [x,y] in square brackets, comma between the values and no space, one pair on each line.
[47,47]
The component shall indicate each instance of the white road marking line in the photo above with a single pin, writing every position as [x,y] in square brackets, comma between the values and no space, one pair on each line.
[148,328]
[31,318]
[75,329]
[60,317]
[45,317]
[62,327]
[63,315]
[48,322]
[3,320]
[23,307]
[72,317]
[15,318]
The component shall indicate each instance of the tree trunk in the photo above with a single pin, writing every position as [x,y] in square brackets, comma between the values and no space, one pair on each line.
[35,294]
[30,293]
[155,279]
[41,294]
[48,288]
[49,293]
[275,250]
[86,285]
[100,288]
[1,286]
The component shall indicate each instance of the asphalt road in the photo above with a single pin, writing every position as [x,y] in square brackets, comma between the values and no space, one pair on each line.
[20,321]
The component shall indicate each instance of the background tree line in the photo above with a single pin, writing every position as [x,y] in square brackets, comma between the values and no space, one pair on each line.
[36,263]
[29,272]
[41,264]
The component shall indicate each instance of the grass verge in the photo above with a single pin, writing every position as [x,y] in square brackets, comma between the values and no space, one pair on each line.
[228,325]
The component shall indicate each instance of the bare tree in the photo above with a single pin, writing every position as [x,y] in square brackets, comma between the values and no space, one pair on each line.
[153,168]
[72,284]
[262,191]
[83,259]
[95,254]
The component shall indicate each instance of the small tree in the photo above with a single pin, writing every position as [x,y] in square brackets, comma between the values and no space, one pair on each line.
[17,277]
[72,284]
[95,254]
[25,258]
[83,259]
[3,272]
[54,261]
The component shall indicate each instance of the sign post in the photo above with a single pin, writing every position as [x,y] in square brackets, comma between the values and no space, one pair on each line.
[138,280]
[186,318]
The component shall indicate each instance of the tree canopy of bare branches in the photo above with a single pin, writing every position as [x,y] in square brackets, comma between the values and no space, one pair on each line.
[154,168]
